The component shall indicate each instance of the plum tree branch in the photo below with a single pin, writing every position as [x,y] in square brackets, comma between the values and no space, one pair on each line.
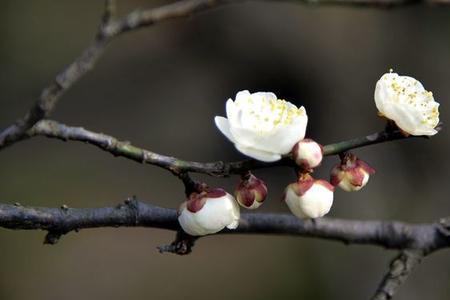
[399,270]
[63,81]
[110,28]
[53,129]
[134,213]
[377,3]
[414,240]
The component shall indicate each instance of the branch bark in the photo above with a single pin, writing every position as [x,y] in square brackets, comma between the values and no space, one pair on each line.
[399,270]
[53,129]
[63,81]
[108,29]
[134,213]
[377,3]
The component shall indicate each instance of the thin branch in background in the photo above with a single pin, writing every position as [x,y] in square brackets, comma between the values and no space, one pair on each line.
[108,30]
[110,12]
[377,3]
[176,10]
[399,270]
[53,92]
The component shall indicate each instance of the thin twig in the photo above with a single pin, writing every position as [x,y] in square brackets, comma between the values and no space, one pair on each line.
[376,3]
[108,30]
[110,11]
[399,270]
[53,92]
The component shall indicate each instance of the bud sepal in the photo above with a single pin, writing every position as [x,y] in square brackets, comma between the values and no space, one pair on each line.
[251,191]
[352,174]
[208,212]
[309,198]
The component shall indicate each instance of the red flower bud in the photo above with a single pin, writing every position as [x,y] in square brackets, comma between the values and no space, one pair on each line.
[352,174]
[251,191]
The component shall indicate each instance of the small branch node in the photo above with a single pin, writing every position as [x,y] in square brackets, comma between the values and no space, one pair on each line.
[190,186]
[444,227]
[52,237]
[110,11]
[64,208]
[182,245]
[133,204]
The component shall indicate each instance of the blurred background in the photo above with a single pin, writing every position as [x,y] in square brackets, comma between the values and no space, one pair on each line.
[160,88]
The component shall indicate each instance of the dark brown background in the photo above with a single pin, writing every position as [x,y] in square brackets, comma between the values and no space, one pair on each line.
[160,88]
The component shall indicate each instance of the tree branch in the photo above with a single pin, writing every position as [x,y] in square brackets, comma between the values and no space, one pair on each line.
[134,213]
[377,3]
[109,29]
[399,270]
[53,92]
[415,240]
[53,129]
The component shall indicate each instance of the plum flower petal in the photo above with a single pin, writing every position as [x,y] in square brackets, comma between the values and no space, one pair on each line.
[405,101]
[258,154]
[208,212]
[309,197]
[307,154]
[262,126]
[224,127]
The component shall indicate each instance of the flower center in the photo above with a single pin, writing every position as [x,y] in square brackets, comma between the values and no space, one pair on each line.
[409,92]
[264,113]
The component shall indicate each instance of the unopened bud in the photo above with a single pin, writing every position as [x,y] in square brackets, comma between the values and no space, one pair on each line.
[309,197]
[208,212]
[307,154]
[251,191]
[352,174]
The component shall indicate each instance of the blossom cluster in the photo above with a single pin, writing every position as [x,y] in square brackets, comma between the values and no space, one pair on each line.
[268,129]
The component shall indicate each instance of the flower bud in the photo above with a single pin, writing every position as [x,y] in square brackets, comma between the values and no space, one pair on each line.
[251,191]
[351,174]
[307,154]
[208,212]
[309,197]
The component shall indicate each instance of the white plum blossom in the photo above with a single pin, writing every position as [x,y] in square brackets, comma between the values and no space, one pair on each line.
[307,154]
[262,126]
[309,197]
[405,101]
[208,212]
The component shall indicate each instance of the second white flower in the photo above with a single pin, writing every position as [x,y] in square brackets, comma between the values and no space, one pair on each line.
[405,101]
